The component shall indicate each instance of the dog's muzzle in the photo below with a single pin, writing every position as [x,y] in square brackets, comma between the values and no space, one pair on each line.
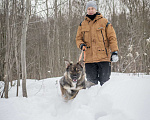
[74,80]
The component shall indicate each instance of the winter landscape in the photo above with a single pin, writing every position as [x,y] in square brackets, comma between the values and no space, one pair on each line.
[123,97]
[37,36]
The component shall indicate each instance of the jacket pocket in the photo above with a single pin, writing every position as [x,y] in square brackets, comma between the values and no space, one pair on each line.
[101,53]
[101,34]
[98,32]
[85,31]
[102,38]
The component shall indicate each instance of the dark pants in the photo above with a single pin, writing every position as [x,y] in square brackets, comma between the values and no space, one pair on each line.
[98,72]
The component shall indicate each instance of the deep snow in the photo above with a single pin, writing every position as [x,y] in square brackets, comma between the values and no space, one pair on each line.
[123,97]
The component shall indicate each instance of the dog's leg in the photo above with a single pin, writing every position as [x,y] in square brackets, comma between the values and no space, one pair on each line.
[74,94]
[68,89]
[78,88]
[62,90]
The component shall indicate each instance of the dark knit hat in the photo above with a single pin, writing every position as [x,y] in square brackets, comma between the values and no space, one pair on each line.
[91,4]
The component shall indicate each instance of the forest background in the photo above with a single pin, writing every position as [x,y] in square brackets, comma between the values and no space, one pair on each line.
[37,35]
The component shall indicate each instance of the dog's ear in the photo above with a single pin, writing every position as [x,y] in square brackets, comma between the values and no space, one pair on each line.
[81,62]
[67,63]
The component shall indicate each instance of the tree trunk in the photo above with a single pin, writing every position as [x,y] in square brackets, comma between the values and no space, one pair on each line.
[54,48]
[69,31]
[16,44]
[48,40]
[6,66]
[23,48]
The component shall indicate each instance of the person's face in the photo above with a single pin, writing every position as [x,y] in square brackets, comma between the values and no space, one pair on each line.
[91,11]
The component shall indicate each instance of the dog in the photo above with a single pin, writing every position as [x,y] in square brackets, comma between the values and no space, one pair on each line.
[73,80]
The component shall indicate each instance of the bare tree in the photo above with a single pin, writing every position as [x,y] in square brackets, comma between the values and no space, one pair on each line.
[69,29]
[23,47]
[48,38]
[6,67]
[15,40]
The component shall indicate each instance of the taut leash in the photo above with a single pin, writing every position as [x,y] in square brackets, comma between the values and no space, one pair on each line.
[80,58]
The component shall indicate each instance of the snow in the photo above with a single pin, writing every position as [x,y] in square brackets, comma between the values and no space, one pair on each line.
[123,97]
[148,40]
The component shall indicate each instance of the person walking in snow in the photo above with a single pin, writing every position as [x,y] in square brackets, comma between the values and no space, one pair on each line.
[97,37]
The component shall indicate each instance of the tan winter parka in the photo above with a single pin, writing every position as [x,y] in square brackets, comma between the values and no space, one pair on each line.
[99,37]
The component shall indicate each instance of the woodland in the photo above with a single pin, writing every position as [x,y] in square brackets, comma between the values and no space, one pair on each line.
[36,36]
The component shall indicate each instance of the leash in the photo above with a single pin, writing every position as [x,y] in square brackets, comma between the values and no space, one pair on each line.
[80,58]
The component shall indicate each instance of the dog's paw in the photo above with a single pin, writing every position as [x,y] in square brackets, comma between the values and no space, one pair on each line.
[69,91]
[66,87]
[79,88]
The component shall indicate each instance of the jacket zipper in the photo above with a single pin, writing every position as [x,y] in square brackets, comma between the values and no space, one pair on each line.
[104,43]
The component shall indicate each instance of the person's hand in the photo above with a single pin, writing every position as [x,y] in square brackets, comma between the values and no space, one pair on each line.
[83,47]
[114,56]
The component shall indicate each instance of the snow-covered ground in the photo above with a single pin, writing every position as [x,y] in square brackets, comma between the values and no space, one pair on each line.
[123,97]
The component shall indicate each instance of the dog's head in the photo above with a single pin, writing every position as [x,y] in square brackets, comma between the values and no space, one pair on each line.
[74,71]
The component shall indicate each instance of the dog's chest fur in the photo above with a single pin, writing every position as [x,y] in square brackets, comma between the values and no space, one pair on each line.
[74,85]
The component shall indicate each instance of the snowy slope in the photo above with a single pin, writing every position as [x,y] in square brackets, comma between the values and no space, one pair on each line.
[123,97]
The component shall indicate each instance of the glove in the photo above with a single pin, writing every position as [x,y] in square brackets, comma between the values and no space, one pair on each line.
[114,56]
[83,47]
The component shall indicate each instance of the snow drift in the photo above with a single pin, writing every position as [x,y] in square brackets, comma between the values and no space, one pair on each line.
[123,97]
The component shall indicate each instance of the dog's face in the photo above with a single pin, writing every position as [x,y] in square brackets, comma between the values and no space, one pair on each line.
[74,71]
